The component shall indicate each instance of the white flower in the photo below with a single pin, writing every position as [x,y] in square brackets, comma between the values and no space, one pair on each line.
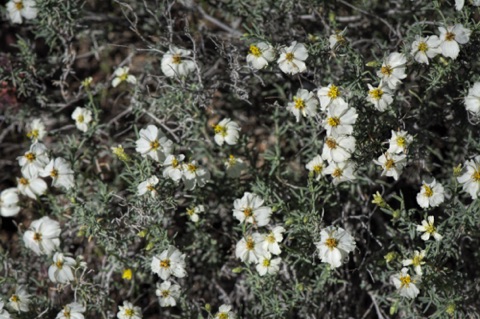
[194,175]
[4,314]
[304,103]
[176,62]
[399,142]
[224,312]
[292,59]
[173,167]
[42,236]
[416,261]
[405,284]
[36,130]
[61,269]
[393,69]
[121,75]
[61,173]
[226,131]
[334,246]
[234,166]
[471,178]
[337,38]
[425,48]
[428,229]
[328,94]
[171,262]
[450,37]
[194,211]
[128,311]
[31,186]
[267,265]
[380,96]
[73,310]
[34,161]
[271,240]
[316,166]
[392,164]
[82,117]
[341,172]
[250,249]
[472,100]
[21,8]
[431,194]
[250,209]
[148,186]
[153,143]
[338,149]
[459,4]
[260,54]
[340,118]
[167,293]
[20,300]
[9,202]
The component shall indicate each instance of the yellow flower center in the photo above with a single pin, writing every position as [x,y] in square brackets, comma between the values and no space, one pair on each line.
[165,293]
[190,211]
[175,163]
[247,212]
[376,93]
[430,229]
[422,47]
[476,175]
[333,92]
[405,281]
[400,141]
[331,243]
[219,129]
[250,244]
[176,59]
[289,56]
[123,77]
[19,5]
[231,160]
[266,262]
[337,173]
[428,190]
[33,134]
[80,118]
[299,103]
[14,298]
[333,121]
[389,163]
[154,145]
[270,238]
[386,70]
[192,168]
[37,236]
[331,143]
[129,312]
[23,181]
[127,274]
[54,173]
[165,263]
[59,264]
[255,51]
[318,169]
[450,36]
[222,315]
[30,157]
[417,260]
[66,312]
[150,188]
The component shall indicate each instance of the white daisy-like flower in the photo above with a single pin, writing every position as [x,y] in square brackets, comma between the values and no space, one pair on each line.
[451,37]
[431,194]
[226,131]
[18,9]
[425,48]
[20,300]
[416,261]
[405,284]
[61,173]
[392,164]
[35,160]
[472,100]
[36,130]
[316,166]
[267,265]
[171,262]
[399,142]
[334,246]
[393,70]
[292,59]
[73,310]
[381,96]
[4,314]
[328,94]
[82,117]
[304,104]
[173,167]
[340,118]
[250,209]
[61,270]
[153,143]
[167,294]
[42,236]
[271,240]
[148,186]
[194,211]
[471,178]
[338,149]
[128,311]
[9,202]
[341,172]
[429,229]
[337,39]
[234,166]
[194,175]
[225,312]
[121,75]
[31,186]
[260,54]
[176,62]
[250,249]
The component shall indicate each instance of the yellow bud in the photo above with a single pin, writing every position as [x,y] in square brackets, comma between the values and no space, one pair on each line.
[390,256]
[300,287]
[208,308]
[289,222]
[120,153]
[378,200]
[373,64]
[444,61]
[143,233]
[127,274]
[87,82]
[457,170]
[450,309]
[396,214]
[237,270]
[149,246]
